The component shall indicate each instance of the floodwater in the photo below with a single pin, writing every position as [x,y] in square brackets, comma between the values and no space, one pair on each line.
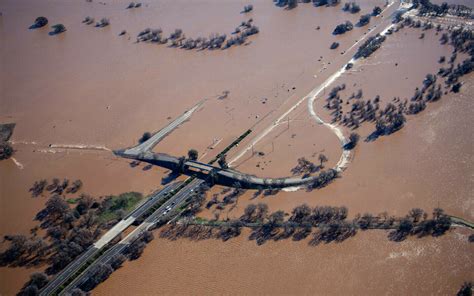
[367,264]
[91,87]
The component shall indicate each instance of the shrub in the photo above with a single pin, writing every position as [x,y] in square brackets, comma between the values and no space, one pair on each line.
[193,154]
[6,151]
[334,45]
[145,137]
[88,20]
[40,22]
[353,140]
[248,8]
[351,7]
[343,28]
[58,28]
[368,47]
[364,20]
[376,11]
[104,22]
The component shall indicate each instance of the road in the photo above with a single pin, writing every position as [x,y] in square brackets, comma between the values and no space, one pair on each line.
[157,137]
[345,157]
[162,212]
[74,266]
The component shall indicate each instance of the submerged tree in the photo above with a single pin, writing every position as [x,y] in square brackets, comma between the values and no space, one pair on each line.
[376,11]
[40,22]
[58,28]
[144,137]
[322,159]
[193,154]
[6,150]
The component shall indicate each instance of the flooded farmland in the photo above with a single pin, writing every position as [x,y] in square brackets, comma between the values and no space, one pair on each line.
[79,95]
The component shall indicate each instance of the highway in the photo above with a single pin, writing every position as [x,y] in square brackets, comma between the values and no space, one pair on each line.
[157,137]
[163,212]
[74,266]
[142,149]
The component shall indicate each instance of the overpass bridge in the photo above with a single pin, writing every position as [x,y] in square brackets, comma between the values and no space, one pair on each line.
[214,174]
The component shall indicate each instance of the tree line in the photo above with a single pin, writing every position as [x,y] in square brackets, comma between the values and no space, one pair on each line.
[325,223]
[178,39]
[65,229]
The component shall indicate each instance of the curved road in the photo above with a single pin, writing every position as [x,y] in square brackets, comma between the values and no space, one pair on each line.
[311,97]
[228,176]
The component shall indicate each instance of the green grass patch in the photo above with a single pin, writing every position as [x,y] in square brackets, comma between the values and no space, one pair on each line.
[200,220]
[114,206]
[72,201]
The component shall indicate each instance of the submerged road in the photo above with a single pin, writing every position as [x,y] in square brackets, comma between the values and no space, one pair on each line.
[228,177]
[157,137]
[312,96]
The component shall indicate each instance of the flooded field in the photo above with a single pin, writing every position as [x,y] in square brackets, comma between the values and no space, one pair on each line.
[78,95]
[367,264]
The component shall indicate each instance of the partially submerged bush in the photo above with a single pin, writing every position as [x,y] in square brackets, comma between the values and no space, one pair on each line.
[368,47]
[334,45]
[6,151]
[134,5]
[40,22]
[343,28]
[376,11]
[318,3]
[88,20]
[104,22]
[351,7]
[364,20]
[144,137]
[248,8]
[58,28]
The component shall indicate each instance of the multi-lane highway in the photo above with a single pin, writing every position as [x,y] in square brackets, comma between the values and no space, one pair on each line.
[162,213]
[74,266]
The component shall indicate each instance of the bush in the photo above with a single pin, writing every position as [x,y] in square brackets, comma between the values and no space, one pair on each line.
[193,154]
[40,22]
[376,11]
[369,46]
[318,3]
[248,8]
[104,22]
[88,20]
[144,137]
[343,28]
[58,28]
[364,20]
[466,289]
[456,88]
[353,140]
[6,151]
[334,45]
[351,7]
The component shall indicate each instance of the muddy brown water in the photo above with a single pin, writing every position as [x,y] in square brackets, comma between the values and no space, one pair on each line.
[89,86]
